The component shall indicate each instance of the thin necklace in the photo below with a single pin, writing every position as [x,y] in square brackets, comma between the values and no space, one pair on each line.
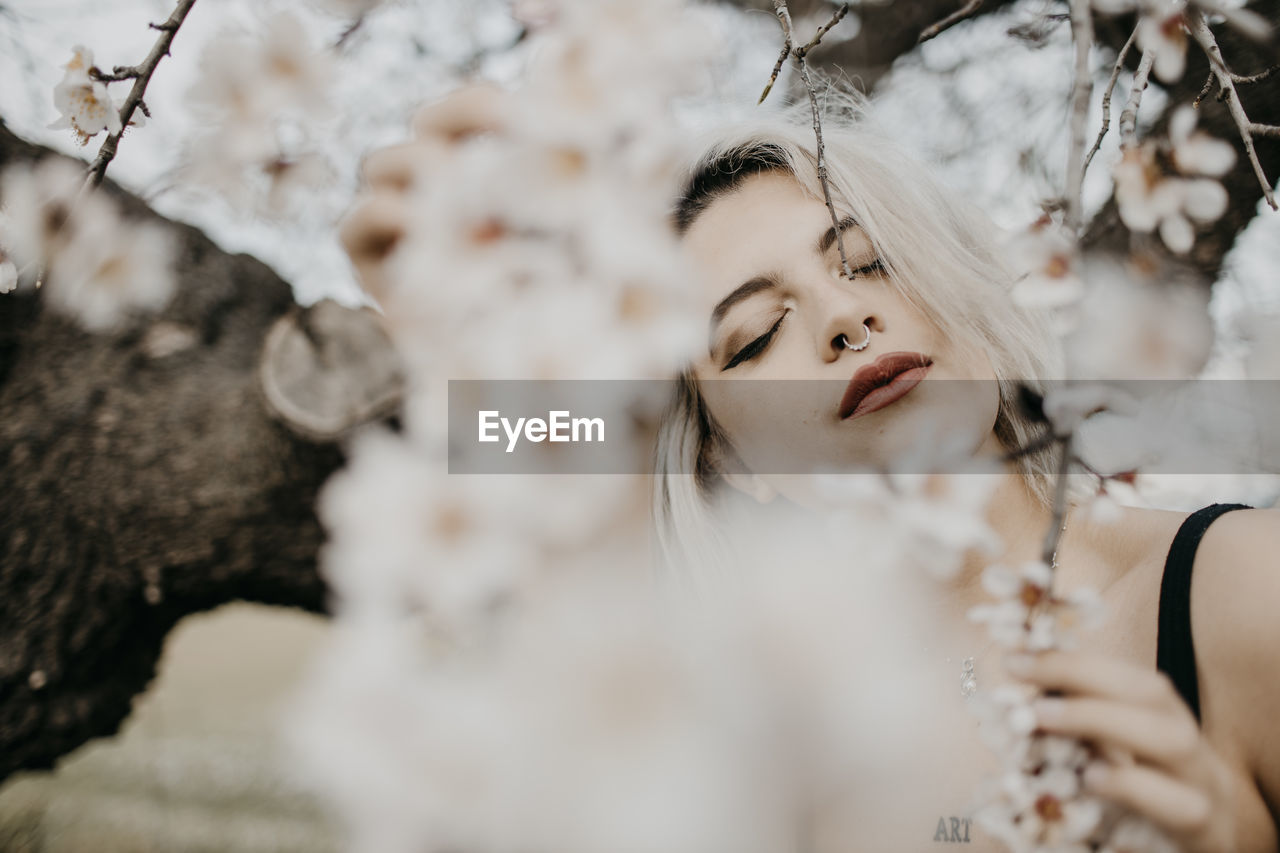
[968,676]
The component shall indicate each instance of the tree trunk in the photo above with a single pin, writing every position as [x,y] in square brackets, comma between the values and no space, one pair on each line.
[143,480]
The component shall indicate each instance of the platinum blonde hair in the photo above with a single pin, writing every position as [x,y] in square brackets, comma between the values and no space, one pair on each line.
[941,253]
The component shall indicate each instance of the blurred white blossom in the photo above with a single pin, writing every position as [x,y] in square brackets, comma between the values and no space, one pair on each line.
[1133,326]
[110,270]
[100,268]
[260,94]
[1148,196]
[1029,614]
[1194,151]
[1045,257]
[1162,30]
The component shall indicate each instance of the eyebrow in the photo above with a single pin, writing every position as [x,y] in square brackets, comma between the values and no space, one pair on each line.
[828,239]
[768,282]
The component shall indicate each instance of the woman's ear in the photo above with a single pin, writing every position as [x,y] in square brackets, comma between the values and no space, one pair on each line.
[752,485]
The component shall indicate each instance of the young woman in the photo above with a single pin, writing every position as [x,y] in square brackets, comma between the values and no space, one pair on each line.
[929,300]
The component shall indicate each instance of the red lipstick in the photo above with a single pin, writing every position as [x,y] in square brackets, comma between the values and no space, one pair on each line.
[883,381]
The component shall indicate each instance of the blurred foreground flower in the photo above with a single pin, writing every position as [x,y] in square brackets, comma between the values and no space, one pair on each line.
[99,268]
[1149,195]
[255,91]
[1029,614]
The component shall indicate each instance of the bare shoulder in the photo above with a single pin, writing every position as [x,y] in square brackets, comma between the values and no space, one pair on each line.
[1235,599]
[1239,562]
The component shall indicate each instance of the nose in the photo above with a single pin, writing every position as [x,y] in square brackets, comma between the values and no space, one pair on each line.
[848,325]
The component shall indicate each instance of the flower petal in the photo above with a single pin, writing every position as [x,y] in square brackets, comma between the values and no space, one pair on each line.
[1177,234]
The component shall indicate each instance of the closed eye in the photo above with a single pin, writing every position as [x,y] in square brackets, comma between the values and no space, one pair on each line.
[876,266]
[754,348]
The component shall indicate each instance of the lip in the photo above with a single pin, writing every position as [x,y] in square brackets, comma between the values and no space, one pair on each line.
[882,382]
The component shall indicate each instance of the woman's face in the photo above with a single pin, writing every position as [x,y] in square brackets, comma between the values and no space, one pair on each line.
[779,311]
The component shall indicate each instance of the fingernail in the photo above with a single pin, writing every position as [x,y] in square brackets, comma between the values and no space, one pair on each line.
[1096,774]
[1047,710]
[1019,664]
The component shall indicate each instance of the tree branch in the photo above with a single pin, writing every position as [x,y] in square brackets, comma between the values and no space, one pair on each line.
[968,10]
[141,76]
[800,54]
[1081,95]
[1204,37]
[1106,101]
[1129,116]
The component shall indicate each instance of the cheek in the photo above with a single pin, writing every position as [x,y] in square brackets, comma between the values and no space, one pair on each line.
[772,424]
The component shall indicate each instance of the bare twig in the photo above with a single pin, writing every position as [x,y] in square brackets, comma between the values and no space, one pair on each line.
[968,10]
[1129,116]
[822,168]
[1204,37]
[1255,78]
[1204,91]
[143,76]
[1081,94]
[784,17]
[825,28]
[1106,100]
[120,72]
[1264,130]
[799,54]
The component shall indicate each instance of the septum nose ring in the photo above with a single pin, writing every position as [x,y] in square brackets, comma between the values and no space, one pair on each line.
[857,347]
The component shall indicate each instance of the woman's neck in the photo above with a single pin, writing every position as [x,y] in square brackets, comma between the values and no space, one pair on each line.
[1020,521]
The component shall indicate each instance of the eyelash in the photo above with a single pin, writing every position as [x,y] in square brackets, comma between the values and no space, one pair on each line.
[759,345]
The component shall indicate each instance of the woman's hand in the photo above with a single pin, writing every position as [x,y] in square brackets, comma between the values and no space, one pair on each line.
[379,219]
[1159,763]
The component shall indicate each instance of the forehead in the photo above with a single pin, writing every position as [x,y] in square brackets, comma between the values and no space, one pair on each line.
[753,230]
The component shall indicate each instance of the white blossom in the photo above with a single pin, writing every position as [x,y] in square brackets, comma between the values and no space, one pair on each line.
[291,179]
[1134,328]
[1029,614]
[1149,197]
[258,93]
[1162,30]
[927,521]
[1069,404]
[84,102]
[402,532]
[100,269]
[1194,151]
[1045,257]
[111,270]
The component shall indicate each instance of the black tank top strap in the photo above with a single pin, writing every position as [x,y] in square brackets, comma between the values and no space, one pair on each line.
[1175,651]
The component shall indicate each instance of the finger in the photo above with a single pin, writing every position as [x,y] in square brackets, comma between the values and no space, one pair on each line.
[478,108]
[395,167]
[1171,804]
[1094,675]
[1169,740]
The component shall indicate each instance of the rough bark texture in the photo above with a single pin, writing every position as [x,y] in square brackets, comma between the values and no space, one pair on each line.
[123,471]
